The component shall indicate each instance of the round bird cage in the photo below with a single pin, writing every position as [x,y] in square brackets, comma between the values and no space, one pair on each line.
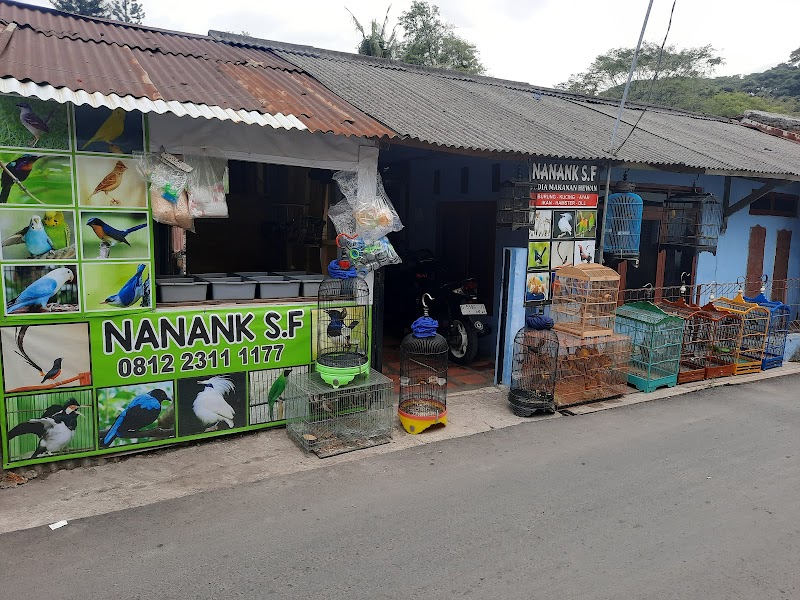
[342,325]
[534,368]
[779,317]
[423,375]
[623,225]
[692,220]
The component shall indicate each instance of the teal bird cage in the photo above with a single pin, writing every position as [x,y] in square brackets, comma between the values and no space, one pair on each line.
[623,223]
[779,316]
[656,343]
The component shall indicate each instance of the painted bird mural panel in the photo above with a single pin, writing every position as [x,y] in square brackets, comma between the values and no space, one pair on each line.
[215,403]
[55,428]
[39,293]
[57,229]
[36,240]
[111,129]
[138,414]
[21,169]
[35,125]
[111,235]
[130,293]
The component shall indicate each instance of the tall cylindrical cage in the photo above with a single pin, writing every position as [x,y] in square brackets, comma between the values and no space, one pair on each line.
[623,225]
[694,221]
[753,333]
[342,330]
[423,382]
[779,318]
[533,372]
[656,339]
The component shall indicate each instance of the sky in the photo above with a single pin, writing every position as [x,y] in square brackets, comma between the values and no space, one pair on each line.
[536,41]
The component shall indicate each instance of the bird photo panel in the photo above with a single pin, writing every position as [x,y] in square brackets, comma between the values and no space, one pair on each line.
[51,424]
[38,179]
[542,225]
[43,289]
[538,255]
[561,254]
[109,183]
[584,251]
[41,357]
[210,404]
[108,131]
[111,286]
[135,414]
[563,224]
[267,393]
[586,224]
[33,123]
[537,287]
[37,234]
[112,235]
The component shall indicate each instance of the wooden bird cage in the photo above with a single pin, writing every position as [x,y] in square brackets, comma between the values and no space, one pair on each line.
[591,369]
[779,318]
[726,333]
[584,300]
[693,221]
[698,338]
[655,344]
[753,336]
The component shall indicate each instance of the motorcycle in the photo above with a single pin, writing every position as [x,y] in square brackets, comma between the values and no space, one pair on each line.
[454,304]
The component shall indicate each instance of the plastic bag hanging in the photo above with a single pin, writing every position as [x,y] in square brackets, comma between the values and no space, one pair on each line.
[372,210]
[206,187]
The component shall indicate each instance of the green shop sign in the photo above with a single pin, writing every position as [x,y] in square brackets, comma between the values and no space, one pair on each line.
[109,384]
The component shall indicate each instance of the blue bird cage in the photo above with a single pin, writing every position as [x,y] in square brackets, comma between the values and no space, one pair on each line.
[779,316]
[623,225]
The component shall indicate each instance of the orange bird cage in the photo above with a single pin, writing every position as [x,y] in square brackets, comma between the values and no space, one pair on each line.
[585,300]
[753,334]
[698,338]
[725,342]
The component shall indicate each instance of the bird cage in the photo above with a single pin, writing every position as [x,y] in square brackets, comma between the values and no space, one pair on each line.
[591,369]
[342,327]
[329,421]
[753,333]
[726,333]
[698,338]
[423,375]
[534,367]
[623,225]
[584,300]
[779,317]
[514,204]
[692,220]
[655,344]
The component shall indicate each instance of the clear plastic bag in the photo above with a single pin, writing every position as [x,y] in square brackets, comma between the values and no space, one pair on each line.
[206,187]
[171,213]
[341,215]
[368,257]
[372,210]
[166,180]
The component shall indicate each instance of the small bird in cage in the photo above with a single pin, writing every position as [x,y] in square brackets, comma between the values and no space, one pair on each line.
[339,331]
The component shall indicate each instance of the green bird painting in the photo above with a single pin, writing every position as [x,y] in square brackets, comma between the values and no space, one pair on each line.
[276,391]
[57,229]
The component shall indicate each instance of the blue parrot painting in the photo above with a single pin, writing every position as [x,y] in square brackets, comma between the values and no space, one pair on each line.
[139,412]
[130,293]
[110,235]
[40,291]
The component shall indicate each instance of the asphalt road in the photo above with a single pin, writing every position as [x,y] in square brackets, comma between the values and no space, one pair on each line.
[692,497]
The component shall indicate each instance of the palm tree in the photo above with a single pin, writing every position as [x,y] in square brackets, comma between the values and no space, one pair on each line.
[379,42]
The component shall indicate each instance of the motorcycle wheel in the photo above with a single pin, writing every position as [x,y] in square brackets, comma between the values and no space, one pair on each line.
[463,341]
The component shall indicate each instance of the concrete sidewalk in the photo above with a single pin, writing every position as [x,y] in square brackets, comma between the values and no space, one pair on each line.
[126,482]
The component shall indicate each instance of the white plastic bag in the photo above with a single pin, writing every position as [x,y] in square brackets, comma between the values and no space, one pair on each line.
[206,187]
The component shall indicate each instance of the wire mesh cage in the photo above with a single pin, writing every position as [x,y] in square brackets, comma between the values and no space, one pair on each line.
[591,368]
[329,421]
[779,319]
[694,221]
[584,300]
[726,333]
[533,372]
[656,339]
[623,225]
[513,205]
[753,332]
[698,338]
[423,382]
[342,330]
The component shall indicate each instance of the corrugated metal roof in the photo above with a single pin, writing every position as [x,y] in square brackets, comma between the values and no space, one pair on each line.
[104,63]
[455,110]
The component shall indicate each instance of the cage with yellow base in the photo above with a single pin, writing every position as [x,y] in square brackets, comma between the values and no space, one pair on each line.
[752,339]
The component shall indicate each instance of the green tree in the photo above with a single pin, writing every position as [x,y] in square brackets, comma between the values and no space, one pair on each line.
[431,42]
[794,58]
[610,70]
[127,11]
[379,41]
[90,8]
[732,104]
